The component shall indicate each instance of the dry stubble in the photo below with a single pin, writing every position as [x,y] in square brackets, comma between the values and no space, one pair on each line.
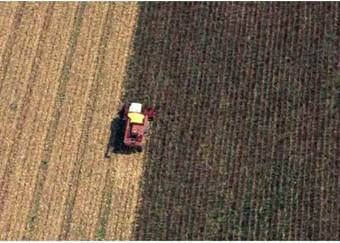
[86,221]
[16,88]
[61,81]
[7,13]
[70,124]
[36,116]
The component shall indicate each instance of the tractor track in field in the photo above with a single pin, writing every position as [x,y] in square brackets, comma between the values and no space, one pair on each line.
[105,209]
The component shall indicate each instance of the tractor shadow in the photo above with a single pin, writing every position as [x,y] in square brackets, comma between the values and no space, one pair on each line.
[115,144]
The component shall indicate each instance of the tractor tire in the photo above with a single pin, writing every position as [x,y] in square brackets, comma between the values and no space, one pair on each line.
[139,149]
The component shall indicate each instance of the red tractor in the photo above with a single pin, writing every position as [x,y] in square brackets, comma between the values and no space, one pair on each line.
[136,118]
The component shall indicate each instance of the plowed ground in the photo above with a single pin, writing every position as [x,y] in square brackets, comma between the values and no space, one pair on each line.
[61,73]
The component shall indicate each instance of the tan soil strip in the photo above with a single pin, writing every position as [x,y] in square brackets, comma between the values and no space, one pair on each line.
[7,15]
[91,181]
[127,172]
[38,111]
[8,47]
[53,124]
[61,164]
[16,84]
[8,78]
[85,130]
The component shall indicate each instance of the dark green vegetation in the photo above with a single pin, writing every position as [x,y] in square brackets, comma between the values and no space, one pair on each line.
[246,144]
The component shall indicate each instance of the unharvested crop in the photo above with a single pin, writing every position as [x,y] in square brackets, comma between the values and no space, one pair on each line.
[246,144]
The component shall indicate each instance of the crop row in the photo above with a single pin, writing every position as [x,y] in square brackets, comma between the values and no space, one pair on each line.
[244,144]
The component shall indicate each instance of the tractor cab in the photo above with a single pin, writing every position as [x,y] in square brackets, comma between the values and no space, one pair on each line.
[135,108]
[137,120]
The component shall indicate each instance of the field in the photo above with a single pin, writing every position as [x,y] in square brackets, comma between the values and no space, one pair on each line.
[62,68]
[245,145]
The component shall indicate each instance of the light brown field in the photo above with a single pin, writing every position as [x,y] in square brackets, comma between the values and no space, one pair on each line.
[61,74]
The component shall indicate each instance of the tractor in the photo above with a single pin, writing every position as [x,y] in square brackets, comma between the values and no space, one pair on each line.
[136,119]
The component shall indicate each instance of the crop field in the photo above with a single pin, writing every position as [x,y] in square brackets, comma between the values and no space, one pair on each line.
[245,145]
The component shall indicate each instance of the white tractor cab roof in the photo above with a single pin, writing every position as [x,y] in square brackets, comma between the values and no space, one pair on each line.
[135,107]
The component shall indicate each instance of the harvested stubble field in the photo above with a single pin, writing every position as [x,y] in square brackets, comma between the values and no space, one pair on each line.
[245,145]
[62,67]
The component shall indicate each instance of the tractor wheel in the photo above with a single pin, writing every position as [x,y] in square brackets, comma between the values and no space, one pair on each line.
[121,113]
[139,149]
